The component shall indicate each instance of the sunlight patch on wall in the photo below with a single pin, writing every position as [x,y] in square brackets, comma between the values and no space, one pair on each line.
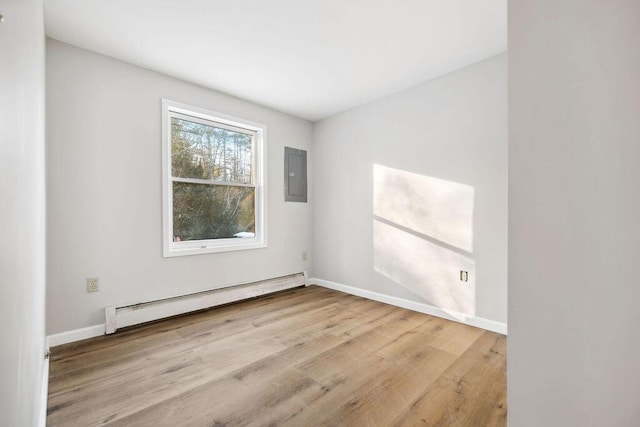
[434,207]
[423,237]
[425,268]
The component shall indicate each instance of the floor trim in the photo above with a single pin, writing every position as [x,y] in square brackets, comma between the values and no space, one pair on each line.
[75,335]
[479,322]
[44,393]
[135,314]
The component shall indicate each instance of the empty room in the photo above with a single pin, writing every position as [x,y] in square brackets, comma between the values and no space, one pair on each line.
[337,213]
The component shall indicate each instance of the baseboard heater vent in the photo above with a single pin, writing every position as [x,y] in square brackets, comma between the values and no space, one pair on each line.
[120,317]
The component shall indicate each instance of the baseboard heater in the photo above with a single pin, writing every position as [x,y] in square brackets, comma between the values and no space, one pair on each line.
[129,315]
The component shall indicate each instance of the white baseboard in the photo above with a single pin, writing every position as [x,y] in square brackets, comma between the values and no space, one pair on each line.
[235,293]
[75,335]
[129,315]
[44,395]
[479,322]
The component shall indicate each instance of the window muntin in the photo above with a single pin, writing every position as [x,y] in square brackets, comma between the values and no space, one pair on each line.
[214,196]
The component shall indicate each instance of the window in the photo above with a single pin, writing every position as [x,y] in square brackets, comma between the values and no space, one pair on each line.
[213,185]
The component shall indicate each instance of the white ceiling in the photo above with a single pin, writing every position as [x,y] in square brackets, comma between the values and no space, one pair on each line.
[308,58]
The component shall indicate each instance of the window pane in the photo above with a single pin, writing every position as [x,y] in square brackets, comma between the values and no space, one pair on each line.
[208,152]
[202,211]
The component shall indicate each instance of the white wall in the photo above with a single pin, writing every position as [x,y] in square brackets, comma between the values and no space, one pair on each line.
[574,204]
[441,193]
[104,190]
[22,212]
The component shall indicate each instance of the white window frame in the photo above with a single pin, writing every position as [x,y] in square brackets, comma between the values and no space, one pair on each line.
[201,115]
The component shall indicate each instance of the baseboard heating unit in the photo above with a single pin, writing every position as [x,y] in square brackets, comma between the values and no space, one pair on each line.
[129,315]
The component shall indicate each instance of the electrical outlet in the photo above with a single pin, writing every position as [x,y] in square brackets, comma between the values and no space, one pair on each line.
[464,276]
[304,256]
[93,284]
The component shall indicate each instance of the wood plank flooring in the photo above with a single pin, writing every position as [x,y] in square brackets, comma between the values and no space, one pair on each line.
[305,357]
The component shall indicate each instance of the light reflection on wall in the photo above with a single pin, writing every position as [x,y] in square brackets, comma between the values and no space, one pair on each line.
[423,237]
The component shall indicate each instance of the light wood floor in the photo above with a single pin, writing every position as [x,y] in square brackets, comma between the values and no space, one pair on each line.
[305,357]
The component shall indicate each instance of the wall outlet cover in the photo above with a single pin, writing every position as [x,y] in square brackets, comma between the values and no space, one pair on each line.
[93,284]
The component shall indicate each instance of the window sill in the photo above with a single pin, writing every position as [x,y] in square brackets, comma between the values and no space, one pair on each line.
[170,252]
